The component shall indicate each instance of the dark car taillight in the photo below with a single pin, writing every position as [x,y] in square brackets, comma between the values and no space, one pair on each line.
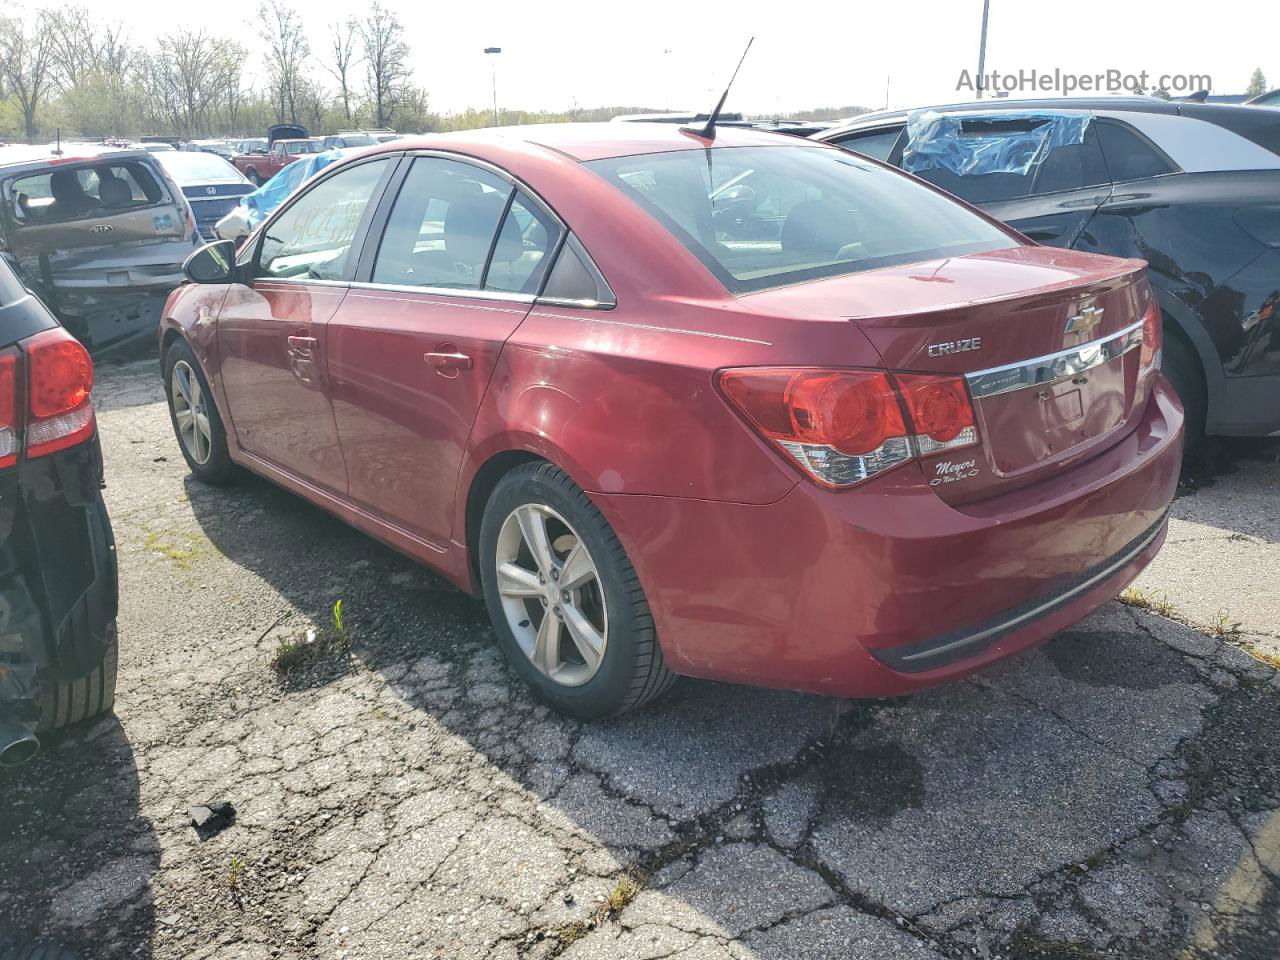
[60,385]
[845,426]
[1152,340]
[8,410]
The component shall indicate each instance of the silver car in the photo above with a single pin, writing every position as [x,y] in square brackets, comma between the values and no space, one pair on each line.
[99,232]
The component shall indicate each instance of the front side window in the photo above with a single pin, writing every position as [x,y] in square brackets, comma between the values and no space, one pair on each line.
[73,193]
[312,238]
[442,226]
[760,217]
[998,157]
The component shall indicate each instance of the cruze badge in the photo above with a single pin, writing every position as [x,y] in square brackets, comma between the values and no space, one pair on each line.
[1085,320]
[955,346]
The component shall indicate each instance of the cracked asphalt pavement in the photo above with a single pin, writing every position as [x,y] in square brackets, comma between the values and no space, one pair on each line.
[1114,793]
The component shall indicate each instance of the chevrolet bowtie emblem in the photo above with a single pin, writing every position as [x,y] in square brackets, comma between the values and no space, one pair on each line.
[1085,320]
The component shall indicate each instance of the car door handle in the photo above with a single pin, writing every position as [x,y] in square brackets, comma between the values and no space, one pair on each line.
[448,360]
[302,347]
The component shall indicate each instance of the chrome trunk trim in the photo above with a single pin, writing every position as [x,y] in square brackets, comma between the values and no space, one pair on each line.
[1054,366]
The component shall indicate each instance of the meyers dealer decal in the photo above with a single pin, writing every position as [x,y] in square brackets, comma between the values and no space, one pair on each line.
[948,472]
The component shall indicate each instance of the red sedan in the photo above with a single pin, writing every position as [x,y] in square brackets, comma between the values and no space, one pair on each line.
[750,408]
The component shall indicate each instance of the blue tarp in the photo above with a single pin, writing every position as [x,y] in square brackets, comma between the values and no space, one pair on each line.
[1004,142]
[272,193]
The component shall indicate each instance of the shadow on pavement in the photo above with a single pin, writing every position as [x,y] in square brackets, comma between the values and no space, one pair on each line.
[76,857]
[1086,797]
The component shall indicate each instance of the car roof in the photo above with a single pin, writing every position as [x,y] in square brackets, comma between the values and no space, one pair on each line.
[1223,114]
[594,141]
[1250,123]
[36,156]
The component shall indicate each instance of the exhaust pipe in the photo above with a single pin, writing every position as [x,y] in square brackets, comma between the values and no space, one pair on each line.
[17,743]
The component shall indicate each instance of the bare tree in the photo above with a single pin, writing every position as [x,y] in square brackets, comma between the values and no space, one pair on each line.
[288,50]
[386,59]
[26,63]
[191,76]
[82,48]
[342,51]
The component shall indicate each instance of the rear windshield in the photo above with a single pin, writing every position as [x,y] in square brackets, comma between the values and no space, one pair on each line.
[298,147]
[78,193]
[761,217]
[189,167]
[356,140]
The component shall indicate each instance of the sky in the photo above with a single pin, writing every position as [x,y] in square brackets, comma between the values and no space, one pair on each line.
[680,53]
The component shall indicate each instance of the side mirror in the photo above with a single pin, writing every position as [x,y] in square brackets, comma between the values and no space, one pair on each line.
[212,263]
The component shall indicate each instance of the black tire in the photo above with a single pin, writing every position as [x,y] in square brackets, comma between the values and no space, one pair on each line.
[632,671]
[71,701]
[218,470]
[1182,367]
[252,176]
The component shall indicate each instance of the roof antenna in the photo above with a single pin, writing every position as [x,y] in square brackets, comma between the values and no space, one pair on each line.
[708,132]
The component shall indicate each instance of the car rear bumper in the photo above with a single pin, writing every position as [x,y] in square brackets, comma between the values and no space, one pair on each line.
[886,589]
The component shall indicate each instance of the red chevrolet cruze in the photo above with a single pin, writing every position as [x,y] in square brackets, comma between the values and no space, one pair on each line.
[749,408]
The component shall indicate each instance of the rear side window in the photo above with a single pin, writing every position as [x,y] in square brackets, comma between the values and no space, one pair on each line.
[312,239]
[442,227]
[876,144]
[760,217]
[523,251]
[1130,156]
[77,193]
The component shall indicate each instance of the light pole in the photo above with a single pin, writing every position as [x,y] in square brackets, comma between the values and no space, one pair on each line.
[493,66]
[982,50]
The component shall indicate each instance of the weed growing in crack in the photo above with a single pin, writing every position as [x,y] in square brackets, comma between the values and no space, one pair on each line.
[623,892]
[1150,600]
[1269,657]
[235,871]
[1223,624]
[329,643]
[341,639]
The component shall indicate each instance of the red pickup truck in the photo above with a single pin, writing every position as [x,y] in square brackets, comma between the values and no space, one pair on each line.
[286,142]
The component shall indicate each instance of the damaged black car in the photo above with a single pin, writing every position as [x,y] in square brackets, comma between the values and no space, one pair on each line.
[58,581]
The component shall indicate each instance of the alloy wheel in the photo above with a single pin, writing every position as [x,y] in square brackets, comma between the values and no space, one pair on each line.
[551,594]
[191,412]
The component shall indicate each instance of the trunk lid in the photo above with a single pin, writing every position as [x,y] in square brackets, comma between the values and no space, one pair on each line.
[1047,341]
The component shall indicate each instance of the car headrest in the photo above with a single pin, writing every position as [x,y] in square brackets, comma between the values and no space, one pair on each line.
[113,192]
[468,227]
[818,229]
[65,186]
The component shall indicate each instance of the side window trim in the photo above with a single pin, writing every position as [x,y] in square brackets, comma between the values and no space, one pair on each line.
[497,233]
[252,264]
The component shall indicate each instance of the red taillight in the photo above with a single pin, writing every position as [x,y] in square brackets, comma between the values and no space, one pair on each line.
[843,426]
[940,411]
[1152,339]
[8,410]
[60,384]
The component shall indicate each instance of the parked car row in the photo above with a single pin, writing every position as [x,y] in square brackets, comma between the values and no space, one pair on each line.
[674,397]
